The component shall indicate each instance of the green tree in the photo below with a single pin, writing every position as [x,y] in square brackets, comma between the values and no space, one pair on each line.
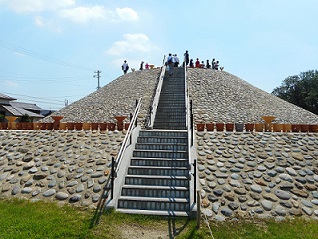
[300,90]
[25,118]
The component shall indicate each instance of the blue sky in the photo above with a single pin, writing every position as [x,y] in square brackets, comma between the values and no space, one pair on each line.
[49,50]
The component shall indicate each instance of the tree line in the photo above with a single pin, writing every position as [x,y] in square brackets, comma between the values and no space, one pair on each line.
[300,90]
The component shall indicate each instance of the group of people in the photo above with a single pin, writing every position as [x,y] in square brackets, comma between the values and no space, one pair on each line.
[173,61]
[125,66]
[142,66]
[214,64]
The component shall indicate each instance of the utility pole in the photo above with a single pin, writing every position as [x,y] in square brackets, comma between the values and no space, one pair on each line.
[98,76]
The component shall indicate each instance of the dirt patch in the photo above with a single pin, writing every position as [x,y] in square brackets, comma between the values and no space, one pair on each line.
[138,232]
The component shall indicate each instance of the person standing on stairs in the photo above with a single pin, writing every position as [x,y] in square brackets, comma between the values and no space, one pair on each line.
[170,63]
[176,60]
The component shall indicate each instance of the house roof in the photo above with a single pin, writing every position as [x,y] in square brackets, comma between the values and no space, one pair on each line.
[6,97]
[19,112]
[26,106]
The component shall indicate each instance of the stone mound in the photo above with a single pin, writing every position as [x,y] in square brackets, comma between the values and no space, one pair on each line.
[114,99]
[221,97]
[217,96]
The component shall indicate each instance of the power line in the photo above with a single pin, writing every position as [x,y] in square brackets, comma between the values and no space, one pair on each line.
[42,78]
[34,97]
[40,56]
[27,79]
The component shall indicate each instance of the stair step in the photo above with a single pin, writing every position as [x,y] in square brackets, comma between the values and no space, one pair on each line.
[165,133]
[165,127]
[142,203]
[176,101]
[165,104]
[161,146]
[171,111]
[170,120]
[155,191]
[169,92]
[160,154]
[162,171]
[151,212]
[171,103]
[159,162]
[173,181]
[169,115]
[176,89]
[170,123]
[159,140]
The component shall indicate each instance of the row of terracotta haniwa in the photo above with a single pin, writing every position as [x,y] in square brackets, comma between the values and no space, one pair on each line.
[257,127]
[62,126]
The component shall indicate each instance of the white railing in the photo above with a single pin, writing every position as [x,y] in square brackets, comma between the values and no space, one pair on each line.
[127,138]
[153,109]
[191,148]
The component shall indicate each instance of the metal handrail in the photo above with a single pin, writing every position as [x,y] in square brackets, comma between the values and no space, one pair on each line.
[132,125]
[189,124]
[153,108]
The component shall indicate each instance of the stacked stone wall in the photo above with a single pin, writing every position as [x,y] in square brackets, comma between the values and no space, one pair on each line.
[258,174]
[63,166]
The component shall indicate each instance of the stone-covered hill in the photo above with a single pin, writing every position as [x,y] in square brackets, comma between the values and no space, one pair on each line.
[217,97]
[114,99]
[221,97]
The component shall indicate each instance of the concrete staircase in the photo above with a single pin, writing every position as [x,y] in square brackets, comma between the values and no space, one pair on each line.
[171,112]
[157,180]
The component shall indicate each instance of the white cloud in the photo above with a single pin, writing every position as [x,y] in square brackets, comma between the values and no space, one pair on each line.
[126,14]
[86,14]
[131,43]
[48,24]
[10,83]
[36,5]
[39,21]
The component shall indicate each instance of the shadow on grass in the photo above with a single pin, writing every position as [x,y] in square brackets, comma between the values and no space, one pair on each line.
[101,204]
[175,230]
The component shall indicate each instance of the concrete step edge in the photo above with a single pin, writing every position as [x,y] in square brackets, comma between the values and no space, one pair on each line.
[157,177]
[154,199]
[160,159]
[154,212]
[151,187]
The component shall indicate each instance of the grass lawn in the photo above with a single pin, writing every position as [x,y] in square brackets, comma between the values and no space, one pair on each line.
[24,219]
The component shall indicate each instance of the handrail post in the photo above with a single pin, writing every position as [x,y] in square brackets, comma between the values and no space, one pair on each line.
[195,179]
[112,177]
[198,209]
[192,136]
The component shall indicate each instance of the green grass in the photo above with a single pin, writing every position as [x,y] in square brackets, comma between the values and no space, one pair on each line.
[24,219]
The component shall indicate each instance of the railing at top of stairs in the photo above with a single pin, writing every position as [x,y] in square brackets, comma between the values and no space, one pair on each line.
[154,106]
